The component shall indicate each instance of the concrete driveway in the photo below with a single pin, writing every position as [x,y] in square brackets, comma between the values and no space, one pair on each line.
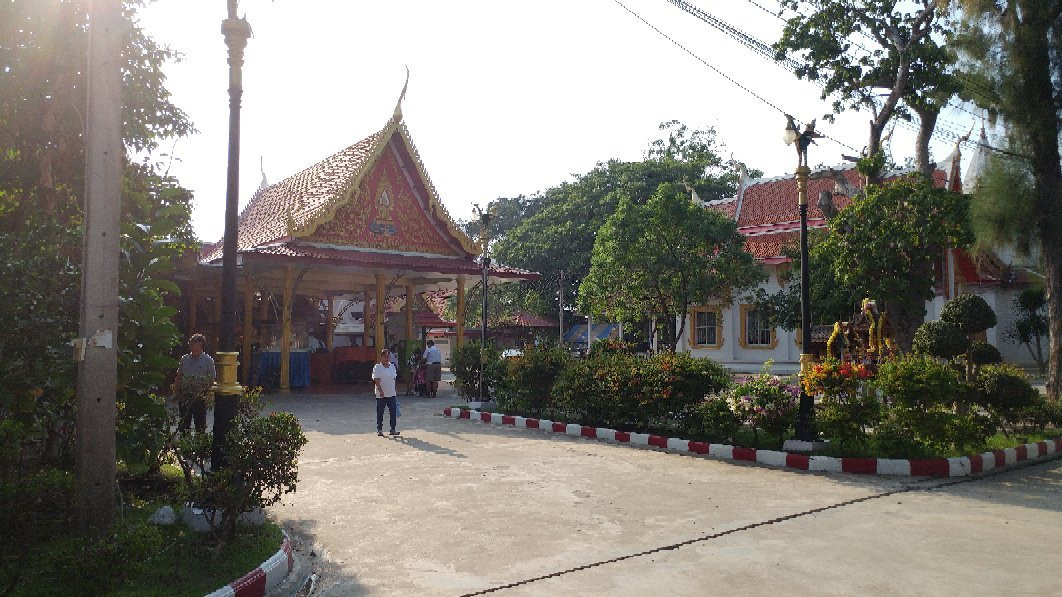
[456,507]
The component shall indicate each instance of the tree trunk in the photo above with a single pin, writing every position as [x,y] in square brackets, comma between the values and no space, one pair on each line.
[1038,123]
[904,325]
[927,122]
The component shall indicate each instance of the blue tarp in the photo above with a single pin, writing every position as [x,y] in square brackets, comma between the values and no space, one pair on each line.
[577,334]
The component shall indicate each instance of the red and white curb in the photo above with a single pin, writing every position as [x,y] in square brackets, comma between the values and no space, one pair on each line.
[928,467]
[263,578]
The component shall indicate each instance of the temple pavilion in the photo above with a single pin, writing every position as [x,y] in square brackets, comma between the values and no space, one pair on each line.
[363,229]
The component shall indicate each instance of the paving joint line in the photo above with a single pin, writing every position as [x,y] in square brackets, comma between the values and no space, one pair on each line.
[907,488]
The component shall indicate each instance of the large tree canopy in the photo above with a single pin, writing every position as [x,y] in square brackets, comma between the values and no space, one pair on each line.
[1013,53]
[555,230]
[655,260]
[43,59]
[903,55]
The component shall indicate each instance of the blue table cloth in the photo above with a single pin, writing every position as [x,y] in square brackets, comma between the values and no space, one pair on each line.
[298,367]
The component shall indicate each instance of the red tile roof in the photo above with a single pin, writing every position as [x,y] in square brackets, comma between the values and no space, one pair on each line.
[276,209]
[770,215]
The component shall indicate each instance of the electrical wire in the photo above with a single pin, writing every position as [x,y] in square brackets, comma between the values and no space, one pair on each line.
[717,71]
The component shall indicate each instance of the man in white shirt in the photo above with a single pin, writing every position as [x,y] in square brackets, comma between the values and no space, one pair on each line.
[434,359]
[383,378]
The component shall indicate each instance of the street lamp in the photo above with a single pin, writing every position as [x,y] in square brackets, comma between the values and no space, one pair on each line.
[236,31]
[805,427]
[485,216]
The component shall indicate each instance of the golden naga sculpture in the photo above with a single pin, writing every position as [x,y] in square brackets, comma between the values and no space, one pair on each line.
[867,337]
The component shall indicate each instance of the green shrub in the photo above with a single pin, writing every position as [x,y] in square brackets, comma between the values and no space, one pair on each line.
[919,382]
[848,419]
[528,382]
[983,353]
[465,365]
[618,389]
[969,313]
[712,420]
[939,339]
[1042,414]
[1005,391]
[262,454]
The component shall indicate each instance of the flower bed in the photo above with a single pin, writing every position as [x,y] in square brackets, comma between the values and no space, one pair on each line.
[925,467]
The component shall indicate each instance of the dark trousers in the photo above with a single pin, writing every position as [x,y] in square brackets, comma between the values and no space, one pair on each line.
[392,406]
[187,411]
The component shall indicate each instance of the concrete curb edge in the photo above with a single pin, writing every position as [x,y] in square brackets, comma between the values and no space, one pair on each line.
[264,578]
[929,467]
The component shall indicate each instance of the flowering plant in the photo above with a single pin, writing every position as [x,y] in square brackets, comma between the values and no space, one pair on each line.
[836,378]
[196,387]
[765,402]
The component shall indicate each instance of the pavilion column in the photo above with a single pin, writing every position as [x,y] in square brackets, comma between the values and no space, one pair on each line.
[264,313]
[193,310]
[248,331]
[285,330]
[460,312]
[330,324]
[381,305]
[410,298]
[365,317]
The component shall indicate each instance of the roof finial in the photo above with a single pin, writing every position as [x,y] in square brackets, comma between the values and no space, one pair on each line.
[261,165]
[402,96]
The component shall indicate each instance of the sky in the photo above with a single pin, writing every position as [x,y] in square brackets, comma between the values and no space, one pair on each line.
[504,98]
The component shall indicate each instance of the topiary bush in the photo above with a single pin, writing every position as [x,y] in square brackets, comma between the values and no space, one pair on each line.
[918,419]
[1005,391]
[939,339]
[983,353]
[527,385]
[968,312]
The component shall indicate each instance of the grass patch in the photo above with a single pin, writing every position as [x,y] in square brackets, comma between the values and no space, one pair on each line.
[137,558]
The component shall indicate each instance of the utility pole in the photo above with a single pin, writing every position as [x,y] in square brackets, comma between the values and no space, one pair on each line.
[95,348]
[560,303]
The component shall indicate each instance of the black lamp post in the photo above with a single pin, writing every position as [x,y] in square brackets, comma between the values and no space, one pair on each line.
[805,427]
[236,31]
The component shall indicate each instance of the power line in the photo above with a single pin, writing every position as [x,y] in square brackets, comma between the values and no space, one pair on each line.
[716,70]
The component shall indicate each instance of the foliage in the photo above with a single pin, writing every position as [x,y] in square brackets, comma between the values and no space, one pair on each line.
[618,389]
[1005,391]
[1012,62]
[1030,326]
[765,402]
[939,339]
[656,260]
[465,364]
[920,420]
[983,353]
[849,407]
[968,312]
[906,54]
[884,246]
[830,299]
[262,467]
[529,378]
[712,420]
[557,227]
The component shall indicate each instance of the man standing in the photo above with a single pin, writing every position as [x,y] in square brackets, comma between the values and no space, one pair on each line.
[383,378]
[434,360]
[195,377]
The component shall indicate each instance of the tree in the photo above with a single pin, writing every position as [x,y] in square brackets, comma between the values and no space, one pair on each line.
[1030,327]
[559,225]
[1013,50]
[42,94]
[905,56]
[656,260]
[884,245]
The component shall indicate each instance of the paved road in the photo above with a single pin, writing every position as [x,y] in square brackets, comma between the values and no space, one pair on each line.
[455,507]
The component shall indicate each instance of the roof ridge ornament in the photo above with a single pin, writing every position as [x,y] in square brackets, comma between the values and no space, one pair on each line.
[398,105]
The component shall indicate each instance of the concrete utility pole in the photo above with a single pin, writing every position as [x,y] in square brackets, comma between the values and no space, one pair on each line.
[95,348]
